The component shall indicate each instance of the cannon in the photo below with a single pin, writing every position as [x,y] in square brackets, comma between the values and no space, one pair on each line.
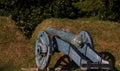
[78,47]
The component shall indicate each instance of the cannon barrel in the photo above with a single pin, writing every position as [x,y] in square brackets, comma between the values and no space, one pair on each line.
[66,35]
[61,33]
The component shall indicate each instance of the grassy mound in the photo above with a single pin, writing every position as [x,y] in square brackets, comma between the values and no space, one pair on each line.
[106,35]
[15,49]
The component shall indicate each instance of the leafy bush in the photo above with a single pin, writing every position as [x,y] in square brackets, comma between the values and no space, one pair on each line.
[89,7]
[105,9]
[29,13]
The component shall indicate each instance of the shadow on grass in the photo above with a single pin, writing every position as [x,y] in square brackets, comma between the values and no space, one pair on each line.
[66,64]
[109,57]
[9,68]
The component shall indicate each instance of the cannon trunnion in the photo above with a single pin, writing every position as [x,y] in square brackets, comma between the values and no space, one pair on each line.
[79,48]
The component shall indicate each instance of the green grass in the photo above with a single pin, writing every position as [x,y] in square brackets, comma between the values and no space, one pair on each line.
[9,68]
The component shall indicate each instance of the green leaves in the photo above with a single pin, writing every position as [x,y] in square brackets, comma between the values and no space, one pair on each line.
[90,7]
[29,13]
[105,9]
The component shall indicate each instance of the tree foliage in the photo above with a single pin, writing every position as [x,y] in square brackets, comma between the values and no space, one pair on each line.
[89,7]
[111,10]
[105,9]
[29,13]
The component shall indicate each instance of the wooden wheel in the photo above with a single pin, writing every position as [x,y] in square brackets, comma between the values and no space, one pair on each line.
[42,50]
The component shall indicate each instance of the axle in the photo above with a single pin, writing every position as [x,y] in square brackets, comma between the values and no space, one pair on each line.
[78,47]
